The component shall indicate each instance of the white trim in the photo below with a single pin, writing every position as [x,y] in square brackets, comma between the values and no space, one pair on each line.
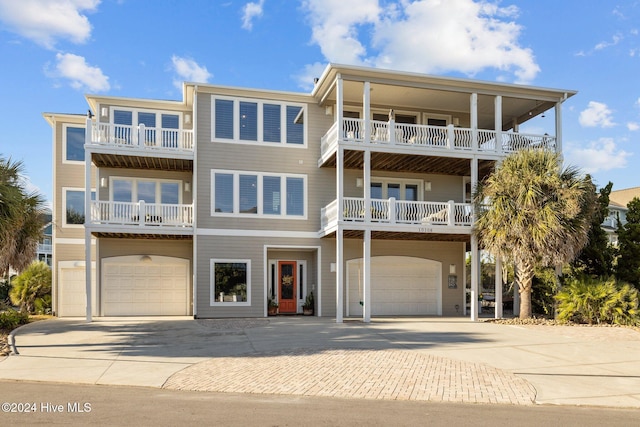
[260,122]
[256,233]
[65,126]
[67,241]
[212,285]
[259,193]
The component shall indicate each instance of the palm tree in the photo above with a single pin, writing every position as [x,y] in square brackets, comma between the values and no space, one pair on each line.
[21,218]
[31,289]
[532,213]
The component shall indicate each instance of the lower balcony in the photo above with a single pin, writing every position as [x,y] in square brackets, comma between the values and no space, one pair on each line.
[148,217]
[399,215]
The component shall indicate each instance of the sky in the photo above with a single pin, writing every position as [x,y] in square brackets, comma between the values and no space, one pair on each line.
[53,52]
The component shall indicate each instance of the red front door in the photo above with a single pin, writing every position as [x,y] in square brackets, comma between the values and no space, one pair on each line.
[287,292]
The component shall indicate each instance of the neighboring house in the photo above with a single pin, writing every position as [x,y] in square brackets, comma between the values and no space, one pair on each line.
[618,201]
[44,250]
[210,206]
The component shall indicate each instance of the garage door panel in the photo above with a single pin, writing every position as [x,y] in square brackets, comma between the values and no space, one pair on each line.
[132,287]
[400,286]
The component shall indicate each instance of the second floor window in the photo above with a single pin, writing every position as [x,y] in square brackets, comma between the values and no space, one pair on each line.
[256,121]
[258,194]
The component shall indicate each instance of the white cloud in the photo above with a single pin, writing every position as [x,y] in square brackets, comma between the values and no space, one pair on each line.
[310,72]
[633,126]
[614,41]
[250,11]
[189,70]
[429,36]
[82,76]
[596,114]
[45,21]
[600,155]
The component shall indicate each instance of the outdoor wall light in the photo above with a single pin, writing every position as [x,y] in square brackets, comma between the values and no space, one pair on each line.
[187,118]
[103,182]
[452,269]
[145,258]
[332,267]
[359,182]
[104,112]
[187,186]
[427,186]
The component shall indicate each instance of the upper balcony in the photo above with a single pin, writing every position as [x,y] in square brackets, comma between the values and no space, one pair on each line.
[429,139]
[116,145]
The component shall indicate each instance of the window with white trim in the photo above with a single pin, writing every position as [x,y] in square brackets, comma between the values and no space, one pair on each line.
[230,282]
[74,138]
[258,194]
[399,188]
[134,190]
[257,121]
[160,126]
[74,206]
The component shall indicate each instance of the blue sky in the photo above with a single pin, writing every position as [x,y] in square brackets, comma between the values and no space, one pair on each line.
[54,51]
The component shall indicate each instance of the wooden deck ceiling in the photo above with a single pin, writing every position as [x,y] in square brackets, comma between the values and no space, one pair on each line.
[392,162]
[103,160]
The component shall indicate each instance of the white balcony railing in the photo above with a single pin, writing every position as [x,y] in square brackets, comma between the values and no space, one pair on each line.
[141,214]
[392,211]
[433,137]
[44,248]
[148,138]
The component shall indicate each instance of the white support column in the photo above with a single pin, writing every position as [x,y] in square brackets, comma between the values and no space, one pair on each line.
[474,121]
[87,231]
[498,288]
[367,185]
[366,267]
[498,122]
[475,253]
[558,111]
[339,107]
[366,112]
[475,277]
[339,274]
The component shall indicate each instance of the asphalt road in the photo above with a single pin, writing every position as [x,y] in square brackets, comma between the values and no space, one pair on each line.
[71,404]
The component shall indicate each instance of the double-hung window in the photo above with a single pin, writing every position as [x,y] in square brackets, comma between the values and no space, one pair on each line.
[258,194]
[257,121]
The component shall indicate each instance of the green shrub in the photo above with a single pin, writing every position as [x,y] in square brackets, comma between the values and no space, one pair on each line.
[32,287]
[10,319]
[594,301]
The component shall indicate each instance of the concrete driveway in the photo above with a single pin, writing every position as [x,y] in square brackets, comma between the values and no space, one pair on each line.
[435,359]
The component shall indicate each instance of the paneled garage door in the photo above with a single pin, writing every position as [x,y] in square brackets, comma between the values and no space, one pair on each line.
[145,286]
[401,286]
[72,291]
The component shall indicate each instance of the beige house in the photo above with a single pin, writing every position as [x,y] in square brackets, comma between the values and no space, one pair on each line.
[213,205]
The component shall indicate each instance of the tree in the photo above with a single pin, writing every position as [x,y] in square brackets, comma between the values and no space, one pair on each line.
[31,289]
[596,258]
[534,214]
[21,219]
[628,268]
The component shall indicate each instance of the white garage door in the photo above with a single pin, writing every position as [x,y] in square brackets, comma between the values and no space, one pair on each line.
[145,286]
[72,297]
[399,286]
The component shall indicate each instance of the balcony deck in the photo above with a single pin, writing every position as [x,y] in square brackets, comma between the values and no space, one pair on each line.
[433,140]
[141,217]
[398,216]
[141,139]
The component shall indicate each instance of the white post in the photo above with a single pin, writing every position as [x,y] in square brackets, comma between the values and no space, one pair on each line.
[452,213]
[451,136]
[498,123]
[392,210]
[366,260]
[339,275]
[339,107]
[87,222]
[559,127]
[475,277]
[474,121]
[366,113]
[141,135]
[367,185]
[498,288]
[141,213]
